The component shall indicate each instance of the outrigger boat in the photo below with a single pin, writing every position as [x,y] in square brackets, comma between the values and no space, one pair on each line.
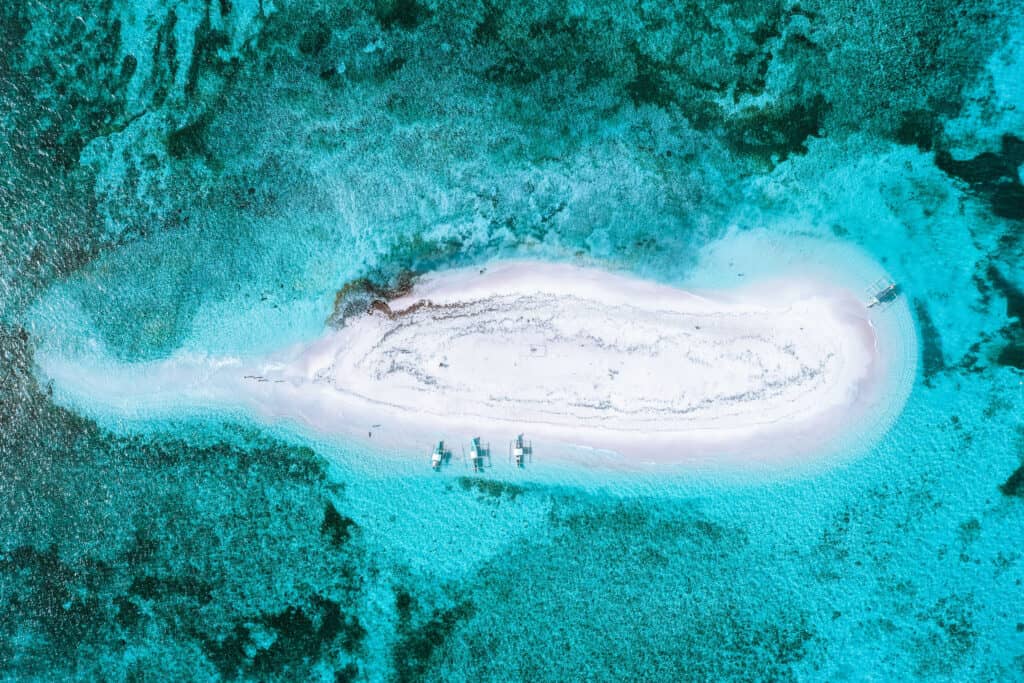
[884,291]
[439,457]
[479,455]
[520,450]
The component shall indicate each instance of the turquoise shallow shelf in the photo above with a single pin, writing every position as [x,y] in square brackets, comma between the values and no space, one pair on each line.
[218,182]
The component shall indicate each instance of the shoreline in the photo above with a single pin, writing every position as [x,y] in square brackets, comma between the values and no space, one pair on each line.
[771,374]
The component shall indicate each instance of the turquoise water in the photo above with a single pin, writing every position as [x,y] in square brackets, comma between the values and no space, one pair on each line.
[204,177]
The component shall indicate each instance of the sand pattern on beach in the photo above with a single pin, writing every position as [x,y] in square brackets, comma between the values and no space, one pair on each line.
[570,360]
[583,356]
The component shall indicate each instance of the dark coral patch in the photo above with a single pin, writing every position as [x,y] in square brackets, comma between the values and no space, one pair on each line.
[406,14]
[491,488]
[984,172]
[778,132]
[41,591]
[1012,353]
[313,41]
[189,140]
[336,526]
[918,127]
[206,61]
[1008,201]
[932,360]
[128,613]
[650,85]
[300,634]
[1014,484]
[992,175]
[156,588]
[1013,294]
[347,674]
[413,653]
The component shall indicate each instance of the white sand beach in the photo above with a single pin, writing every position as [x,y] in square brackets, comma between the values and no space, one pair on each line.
[595,367]
[584,357]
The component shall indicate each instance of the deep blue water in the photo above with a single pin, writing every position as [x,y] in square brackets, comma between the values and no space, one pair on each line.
[205,176]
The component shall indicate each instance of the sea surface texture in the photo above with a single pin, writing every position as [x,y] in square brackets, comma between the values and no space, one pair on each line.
[200,179]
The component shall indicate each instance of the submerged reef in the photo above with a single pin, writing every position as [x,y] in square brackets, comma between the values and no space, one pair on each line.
[1014,484]
[932,361]
[633,578]
[128,556]
[207,175]
[994,175]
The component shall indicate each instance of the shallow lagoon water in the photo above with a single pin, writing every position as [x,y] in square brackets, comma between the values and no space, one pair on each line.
[213,192]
